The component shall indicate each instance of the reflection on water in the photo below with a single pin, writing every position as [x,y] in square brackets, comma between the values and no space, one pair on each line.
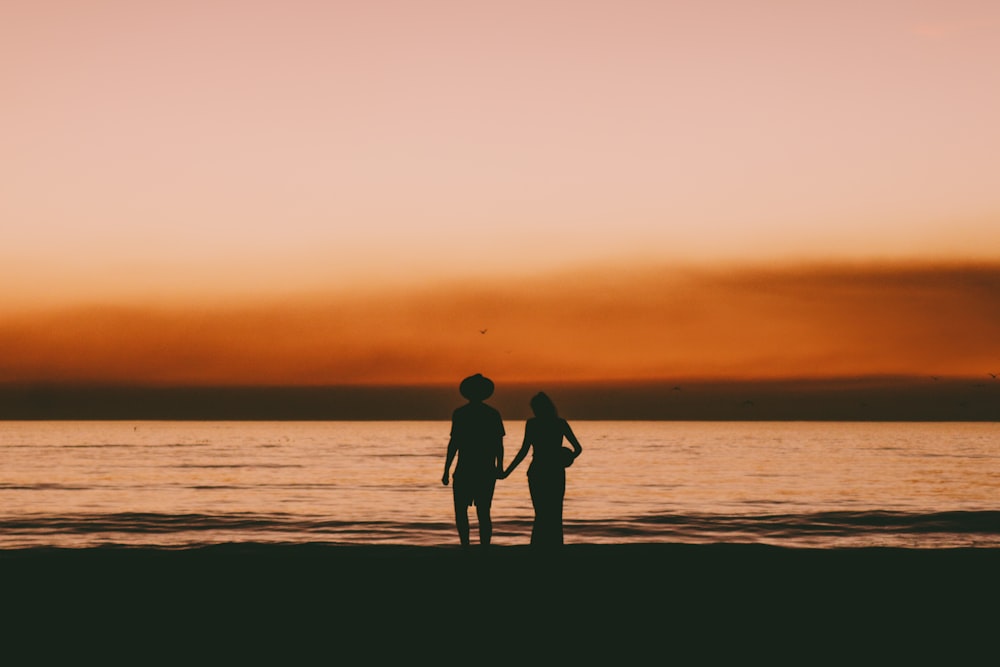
[184,483]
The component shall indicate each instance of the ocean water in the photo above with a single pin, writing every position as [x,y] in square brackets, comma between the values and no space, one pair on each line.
[806,484]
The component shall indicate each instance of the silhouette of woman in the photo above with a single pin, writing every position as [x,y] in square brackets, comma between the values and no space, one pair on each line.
[544,434]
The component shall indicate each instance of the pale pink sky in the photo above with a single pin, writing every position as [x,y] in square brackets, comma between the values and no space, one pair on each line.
[243,147]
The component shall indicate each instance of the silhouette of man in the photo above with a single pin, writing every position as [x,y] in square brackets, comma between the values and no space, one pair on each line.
[477,438]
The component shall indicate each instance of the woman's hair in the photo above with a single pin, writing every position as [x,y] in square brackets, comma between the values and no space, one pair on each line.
[543,406]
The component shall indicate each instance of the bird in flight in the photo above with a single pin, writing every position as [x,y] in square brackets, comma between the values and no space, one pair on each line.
[992,375]
[482,331]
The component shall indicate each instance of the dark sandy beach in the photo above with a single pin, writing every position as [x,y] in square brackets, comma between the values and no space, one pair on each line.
[586,601]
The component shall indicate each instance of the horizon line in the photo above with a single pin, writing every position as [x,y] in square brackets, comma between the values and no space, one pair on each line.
[906,398]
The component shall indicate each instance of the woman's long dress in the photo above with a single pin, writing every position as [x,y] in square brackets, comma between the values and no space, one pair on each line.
[546,479]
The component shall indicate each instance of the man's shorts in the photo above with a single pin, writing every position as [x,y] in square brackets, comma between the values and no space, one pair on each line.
[474,489]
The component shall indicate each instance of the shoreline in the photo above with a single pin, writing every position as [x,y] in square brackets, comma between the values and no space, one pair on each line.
[616,600]
[618,570]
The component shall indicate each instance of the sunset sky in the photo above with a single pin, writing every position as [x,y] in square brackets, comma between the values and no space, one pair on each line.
[328,193]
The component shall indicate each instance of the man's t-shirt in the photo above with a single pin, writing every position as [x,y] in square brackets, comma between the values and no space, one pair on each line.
[477,430]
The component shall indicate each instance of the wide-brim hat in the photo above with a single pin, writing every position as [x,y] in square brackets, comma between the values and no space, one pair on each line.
[476,387]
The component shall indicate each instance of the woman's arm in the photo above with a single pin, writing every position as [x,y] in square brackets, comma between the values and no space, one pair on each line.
[577,449]
[525,446]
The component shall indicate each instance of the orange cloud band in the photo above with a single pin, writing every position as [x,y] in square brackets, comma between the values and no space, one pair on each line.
[602,325]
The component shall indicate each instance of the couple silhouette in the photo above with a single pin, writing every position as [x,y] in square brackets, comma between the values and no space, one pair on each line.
[477,434]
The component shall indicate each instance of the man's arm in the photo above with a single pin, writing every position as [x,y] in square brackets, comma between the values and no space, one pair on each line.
[500,457]
[452,450]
